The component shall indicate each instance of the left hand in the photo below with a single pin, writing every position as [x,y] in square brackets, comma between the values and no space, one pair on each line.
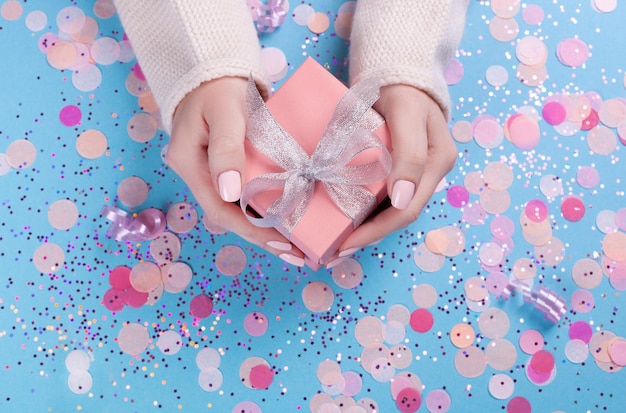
[423,153]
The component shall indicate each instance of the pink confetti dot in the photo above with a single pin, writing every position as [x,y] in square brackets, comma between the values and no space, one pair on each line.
[408,400]
[518,404]
[580,330]
[554,113]
[120,278]
[572,208]
[524,131]
[536,210]
[421,320]
[134,298]
[542,362]
[572,52]
[201,306]
[591,121]
[588,177]
[114,300]
[533,14]
[454,72]
[70,115]
[261,376]
[457,196]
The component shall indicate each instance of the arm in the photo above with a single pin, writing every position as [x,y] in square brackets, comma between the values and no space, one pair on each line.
[197,56]
[407,44]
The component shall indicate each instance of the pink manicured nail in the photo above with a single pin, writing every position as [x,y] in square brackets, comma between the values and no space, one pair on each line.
[292,259]
[279,245]
[336,261]
[348,252]
[229,183]
[402,194]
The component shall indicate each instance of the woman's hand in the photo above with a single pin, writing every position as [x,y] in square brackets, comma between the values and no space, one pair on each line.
[423,152]
[207,151]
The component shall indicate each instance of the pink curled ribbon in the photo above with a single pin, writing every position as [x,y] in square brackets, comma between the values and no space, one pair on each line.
[349,132]
[544,300]
[148,224]
[271,15]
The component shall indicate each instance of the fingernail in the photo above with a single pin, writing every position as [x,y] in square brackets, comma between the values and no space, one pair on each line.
[292,259]
[279,245]
[375,242]
[348,252]
[229,183]
[402,194]
[336,261]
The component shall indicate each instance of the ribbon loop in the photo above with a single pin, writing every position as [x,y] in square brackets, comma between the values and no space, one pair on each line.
[348,134]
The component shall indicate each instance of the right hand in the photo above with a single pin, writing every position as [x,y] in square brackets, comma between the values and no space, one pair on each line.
[206,150]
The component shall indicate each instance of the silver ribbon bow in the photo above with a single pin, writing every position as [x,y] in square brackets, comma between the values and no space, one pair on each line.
[349,133]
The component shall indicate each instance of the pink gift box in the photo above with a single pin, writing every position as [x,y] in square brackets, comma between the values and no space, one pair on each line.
[303,106]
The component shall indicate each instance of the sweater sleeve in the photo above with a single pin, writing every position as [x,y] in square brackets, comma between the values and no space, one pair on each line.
[182,43]
[407,42]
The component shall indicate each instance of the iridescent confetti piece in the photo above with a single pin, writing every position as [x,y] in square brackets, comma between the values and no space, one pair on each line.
[371,352]
[599,345]
[302,13]
[91,144]
[454,71]
[457,196]
[604,6]
[104,9]
[142,127]
[201,306]
[490,254]
[533,14]
[438,401]
[531,51]
[424,295]
[487,132]
[612,113]
[470,362]
[247,407]
[605,221]
[399,313]
[176,277]
[551,253]
[582,301]
[426,260]
[328,372]
[518,404]
[181,217]
[169,342]
[493,323]
[462,335]
[614,246]
[408,400]
[368,330]
[572,208]
[497,282]
[343,22]
[134,298]
[531,341]
[501,386]
[256,324]
[105,50]
[587,177]
[503,30]
[86,77]
[261,376]
[274,62]
[353,383]
[617,351]
[602,140]
[320,399]
[475,289]
[572,52]
[114,299]
[501,354]
[335,389]
[145,276]
[393,332]
[542,362]
[133,338]
[524,131]
[580,330]
[11,10]
[422,320]
[348,273]
[318,22]
[165,248]
[462,131]
[210,379]
[587,273]
[497,75]
[208,358]
[21,153]
[80,382]
[77,360]
[474,214]
[400,356]
[231,260]
[576,351]
[48,257]
[63,214]
[318,296]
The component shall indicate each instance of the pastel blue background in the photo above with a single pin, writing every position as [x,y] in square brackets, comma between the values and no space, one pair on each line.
[43,317]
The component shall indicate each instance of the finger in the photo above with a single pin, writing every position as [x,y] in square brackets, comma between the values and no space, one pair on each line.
[441,156]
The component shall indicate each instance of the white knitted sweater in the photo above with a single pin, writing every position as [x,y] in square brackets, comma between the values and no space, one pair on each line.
[182,43]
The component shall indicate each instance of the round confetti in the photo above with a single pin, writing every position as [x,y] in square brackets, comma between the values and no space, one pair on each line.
[462,335]
[553,113]
[231,260]
[475,289]
[145,276]
[497,283]
[400,356]
[11,10]
[181,217]
[408,400]
[353,384]
[114,300]
[165,248]
[76,361]
[86,77]
[368,330]
[533,14]
[582,301]
[502,227]
[551,253]
[422,320]
[169,342]
[496,75]
[208,358]
[132,191]
[424,295]
[524,269]
[580,330]
[70,115]
[454,71]
[261,376]
[393,332]
[498,176]
[256,324]
[142,127]
[457,196]
[501,386]
[462,131]
[61,55]
[201,306]
[134,298]
[572,52]
[328,372]
[63,214]
[274,62]
[80,382]
[21,154]
[614,246]
[348,273]
[490,254]
[133,338]
[488,133]
[318,296]
[531,341]
[91,144]
[605,221]
[210,379]
[318,22]
[438,401]
[587,273]
[501,354]
[572,208]
[426,260]
[105,50]
[48,257]
[602,140]
[302,13]
[576,351]
[587,177]
[518,404]
[176,277]
[542,362]
[503,30]
[470,362]
[493,323]
[524,131]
